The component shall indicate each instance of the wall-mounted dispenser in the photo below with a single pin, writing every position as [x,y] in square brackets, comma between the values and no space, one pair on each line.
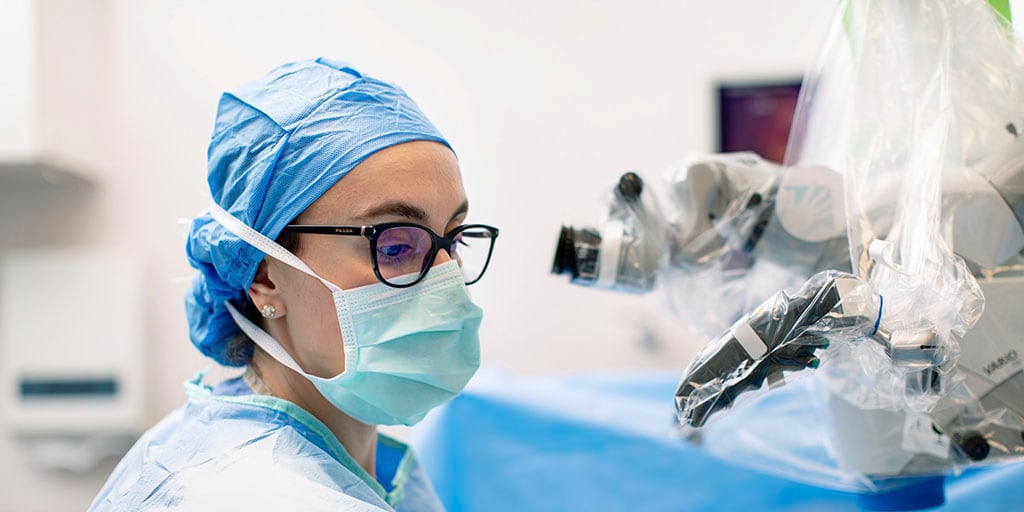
[71,328]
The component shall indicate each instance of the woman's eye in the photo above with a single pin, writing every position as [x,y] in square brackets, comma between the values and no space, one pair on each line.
[394,253]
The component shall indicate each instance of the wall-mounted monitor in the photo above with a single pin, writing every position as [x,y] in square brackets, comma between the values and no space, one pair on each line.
[756,116]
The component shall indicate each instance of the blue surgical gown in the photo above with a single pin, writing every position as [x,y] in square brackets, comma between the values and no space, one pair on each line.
[228,448]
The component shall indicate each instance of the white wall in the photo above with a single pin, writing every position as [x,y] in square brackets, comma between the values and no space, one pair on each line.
[545,102]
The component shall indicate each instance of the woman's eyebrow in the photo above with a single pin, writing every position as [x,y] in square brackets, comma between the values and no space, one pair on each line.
[409,211]
[463,208]
[399,208]
[402,209]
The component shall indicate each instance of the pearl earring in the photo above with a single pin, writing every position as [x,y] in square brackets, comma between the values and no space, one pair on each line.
[268,311]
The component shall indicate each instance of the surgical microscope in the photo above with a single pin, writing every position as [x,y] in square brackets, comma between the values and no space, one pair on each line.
[732,218]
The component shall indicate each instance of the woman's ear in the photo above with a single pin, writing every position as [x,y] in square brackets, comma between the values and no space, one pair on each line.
[265,294]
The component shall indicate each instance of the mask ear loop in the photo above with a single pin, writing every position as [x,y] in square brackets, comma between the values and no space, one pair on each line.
[264,340]
[274,250]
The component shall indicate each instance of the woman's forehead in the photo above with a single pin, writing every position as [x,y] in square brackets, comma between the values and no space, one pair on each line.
[415,179]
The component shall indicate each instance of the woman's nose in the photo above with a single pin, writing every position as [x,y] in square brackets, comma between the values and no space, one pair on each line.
[443,256]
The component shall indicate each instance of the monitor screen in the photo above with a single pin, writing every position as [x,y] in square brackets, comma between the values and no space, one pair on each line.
[756,117]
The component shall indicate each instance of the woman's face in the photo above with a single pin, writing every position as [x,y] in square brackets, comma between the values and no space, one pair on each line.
[412,182]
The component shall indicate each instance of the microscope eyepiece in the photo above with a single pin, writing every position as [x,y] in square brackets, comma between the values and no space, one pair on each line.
[630,186]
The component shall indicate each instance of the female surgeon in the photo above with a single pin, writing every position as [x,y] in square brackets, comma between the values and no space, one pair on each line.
[333,267]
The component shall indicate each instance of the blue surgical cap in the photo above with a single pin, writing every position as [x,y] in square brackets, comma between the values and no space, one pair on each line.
[278,144]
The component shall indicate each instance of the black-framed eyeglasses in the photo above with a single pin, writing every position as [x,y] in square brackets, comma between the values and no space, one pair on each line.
[403,252]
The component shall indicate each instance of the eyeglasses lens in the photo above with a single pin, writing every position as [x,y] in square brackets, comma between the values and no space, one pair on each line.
[402,253]
[472,248]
